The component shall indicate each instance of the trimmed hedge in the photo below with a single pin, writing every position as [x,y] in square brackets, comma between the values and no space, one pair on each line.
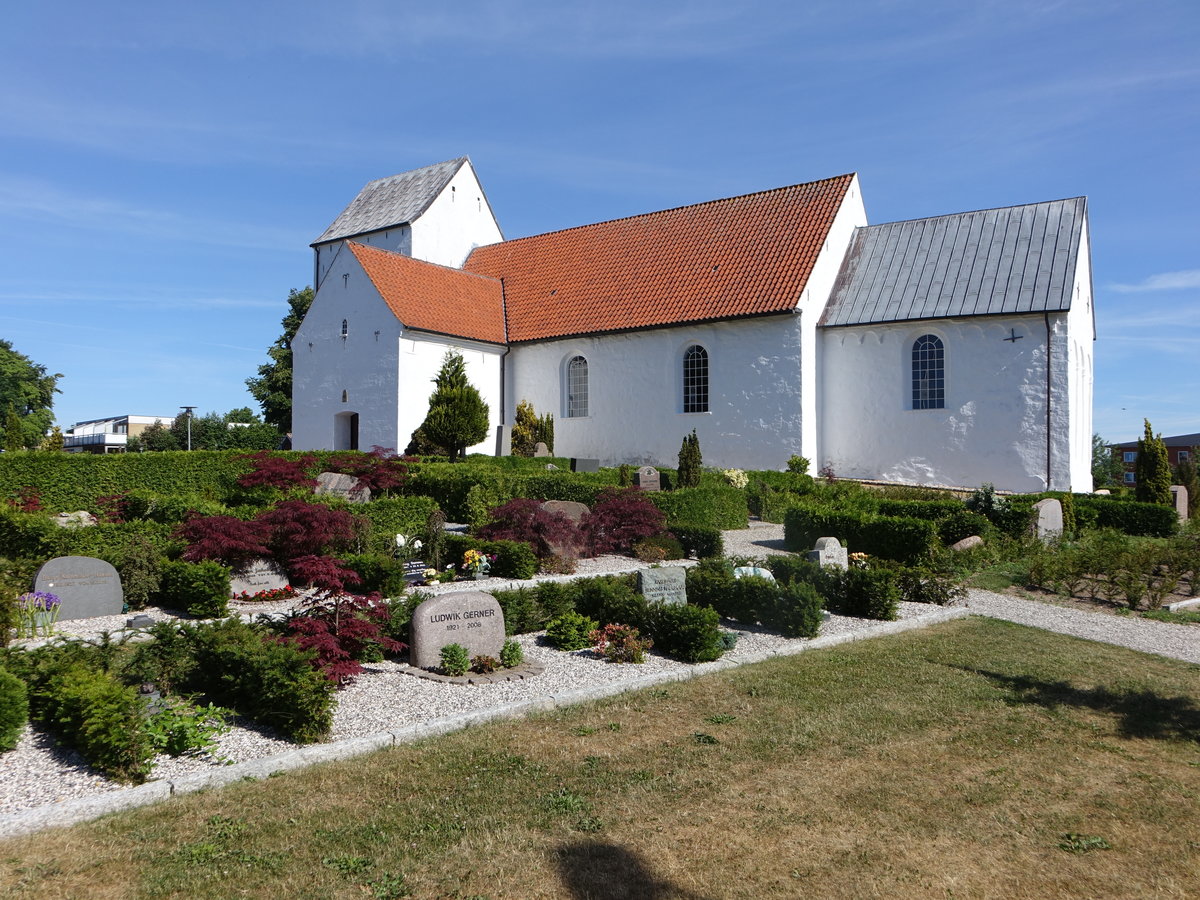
[200,588]
[514,559]
[702,540]
[391,516]
[891,537]
[14,709]
[716,505]
[1129,516]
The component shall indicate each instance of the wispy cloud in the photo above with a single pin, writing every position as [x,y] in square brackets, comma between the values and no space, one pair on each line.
[1164,281]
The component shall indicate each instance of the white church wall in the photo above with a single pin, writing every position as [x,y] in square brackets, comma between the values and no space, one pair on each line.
[419,359]
[397,240]
[362,364]
[1081,326]
[458,221]
[635,399]
[852,214]
[992,429]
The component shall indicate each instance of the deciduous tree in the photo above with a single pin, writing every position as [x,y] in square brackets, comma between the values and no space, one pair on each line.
[28,391]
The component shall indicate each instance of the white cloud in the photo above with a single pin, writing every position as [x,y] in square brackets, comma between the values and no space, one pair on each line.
[1164,281]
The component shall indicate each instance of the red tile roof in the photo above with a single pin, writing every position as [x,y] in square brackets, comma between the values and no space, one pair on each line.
[742,256]
[430,297]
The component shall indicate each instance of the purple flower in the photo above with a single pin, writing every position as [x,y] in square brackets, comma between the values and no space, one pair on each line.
[38,600]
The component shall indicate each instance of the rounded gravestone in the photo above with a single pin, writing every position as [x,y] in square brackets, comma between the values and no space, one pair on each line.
[87,587]
[472,619]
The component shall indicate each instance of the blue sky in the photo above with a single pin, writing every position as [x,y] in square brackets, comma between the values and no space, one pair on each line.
[163,167]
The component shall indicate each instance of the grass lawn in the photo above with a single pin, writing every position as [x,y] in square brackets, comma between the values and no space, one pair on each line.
[974,759]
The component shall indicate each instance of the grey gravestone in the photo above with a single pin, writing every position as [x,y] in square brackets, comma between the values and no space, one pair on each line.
[1179,496]
[569,508]
[1048,521]
[967,543]
[663,587]
[753,572]
[140,621]
[585,465]
[470,618]
[503,440]
[829,552]
[540,449]
[345,486]
[257,575]
[1103,492]
[647,479]
[87,587]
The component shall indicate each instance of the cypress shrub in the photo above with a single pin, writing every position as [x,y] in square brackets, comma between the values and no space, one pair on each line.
[690,461]
[1152,469]
[14,709]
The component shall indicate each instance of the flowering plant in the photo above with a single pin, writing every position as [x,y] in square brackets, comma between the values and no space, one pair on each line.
[859,559]
[620,643]
[287,592]
[406,547]
[37,612]
[477,562]
[736,477]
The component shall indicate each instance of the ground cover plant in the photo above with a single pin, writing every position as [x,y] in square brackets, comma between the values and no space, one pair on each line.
[977,758]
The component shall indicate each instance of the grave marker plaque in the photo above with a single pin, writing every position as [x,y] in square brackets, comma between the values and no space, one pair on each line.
[470,618]
[86,586]
[256,576]
[648,479]
[663,587]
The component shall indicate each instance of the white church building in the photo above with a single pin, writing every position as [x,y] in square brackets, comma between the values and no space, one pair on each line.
[946,351]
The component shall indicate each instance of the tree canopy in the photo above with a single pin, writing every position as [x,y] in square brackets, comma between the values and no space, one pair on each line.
[238,429]
[458,416]
[26,399]
[273,386]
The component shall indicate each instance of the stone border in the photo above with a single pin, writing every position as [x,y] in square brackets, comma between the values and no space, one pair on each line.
[516,673]
[70,812]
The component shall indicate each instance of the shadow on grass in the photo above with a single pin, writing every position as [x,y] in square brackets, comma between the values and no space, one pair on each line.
[594,870]
[1142,714]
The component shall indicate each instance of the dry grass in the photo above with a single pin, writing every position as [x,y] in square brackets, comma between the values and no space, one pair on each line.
[947,763]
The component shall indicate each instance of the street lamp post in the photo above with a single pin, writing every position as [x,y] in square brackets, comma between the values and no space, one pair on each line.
[187,411]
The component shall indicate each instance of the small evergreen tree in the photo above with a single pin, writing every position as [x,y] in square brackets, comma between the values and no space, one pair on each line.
[53,442]
[525,430]
[457,416]
[545,432]
[1152,469]
[14,437]
[689,461]
[1186,474]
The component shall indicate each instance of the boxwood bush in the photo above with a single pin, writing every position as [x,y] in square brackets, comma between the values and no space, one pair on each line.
[14,709]
[200,588]
[892,537]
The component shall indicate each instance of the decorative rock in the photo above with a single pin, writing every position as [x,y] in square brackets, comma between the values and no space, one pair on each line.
[648,479]
[1104,492]
[551,467]
[829,552]
[1048,521]
[345,486]
[257,575]
[663,587]
[569,508]
[80,519]
[585,465]
[967,543]
[1179,497]
[753,572]
[87,587]
[470,618]
[540,449]
[139,621]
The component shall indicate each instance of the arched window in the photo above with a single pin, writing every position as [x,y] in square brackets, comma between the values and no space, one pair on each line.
[695,379]
[577,387]
[928,373]
[345,328]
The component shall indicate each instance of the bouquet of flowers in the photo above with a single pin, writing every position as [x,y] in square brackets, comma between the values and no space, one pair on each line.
[37,612]
[477,563]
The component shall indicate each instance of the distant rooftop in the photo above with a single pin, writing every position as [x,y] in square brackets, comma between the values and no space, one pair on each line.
[392,201]
[1179,440]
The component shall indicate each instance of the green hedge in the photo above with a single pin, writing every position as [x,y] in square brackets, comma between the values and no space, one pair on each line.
[1129,516]
[701,540]
[514,559]
[954,521]
[391,516]
[891,537]
[715,505]
[201,588]
[14,709]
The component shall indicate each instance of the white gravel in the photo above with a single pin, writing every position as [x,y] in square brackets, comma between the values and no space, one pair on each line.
[38,773]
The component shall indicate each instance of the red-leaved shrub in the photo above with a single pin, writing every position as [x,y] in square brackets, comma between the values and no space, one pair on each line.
[298,528]
[344,629]
[381,470]
[619,520]
[549,533]
[267,470]
[228,540]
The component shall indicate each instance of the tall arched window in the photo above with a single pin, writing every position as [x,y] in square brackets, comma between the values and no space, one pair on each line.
[695,379]
[928,373]
[577,387]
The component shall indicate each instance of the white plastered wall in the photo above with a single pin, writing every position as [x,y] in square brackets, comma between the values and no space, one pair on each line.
[1081,330]
[635,402]
[993,427]
[456,222]
[397,240]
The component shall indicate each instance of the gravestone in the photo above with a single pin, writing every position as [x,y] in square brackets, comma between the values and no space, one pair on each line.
[540,449]
[828,552]
[1103,492]
[80,519]
[470,618]
[647,479]
[257,575]
[414,571]
[585,465]
[1048,519]
[663,587]
[1179,497]
[753,572]
[87,587]
[345,486]
[504,440]
[569,508]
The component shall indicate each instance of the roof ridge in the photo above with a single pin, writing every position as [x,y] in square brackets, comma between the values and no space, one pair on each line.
[458,159]
[670,209]
[967,212]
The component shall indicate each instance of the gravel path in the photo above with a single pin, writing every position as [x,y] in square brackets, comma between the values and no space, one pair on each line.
[38,772]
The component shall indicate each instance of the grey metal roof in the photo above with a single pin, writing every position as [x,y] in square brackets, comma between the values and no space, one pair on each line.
[1179,440]
[983,263]
[392,201]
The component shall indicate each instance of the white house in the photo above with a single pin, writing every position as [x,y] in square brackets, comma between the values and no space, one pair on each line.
[947,351]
